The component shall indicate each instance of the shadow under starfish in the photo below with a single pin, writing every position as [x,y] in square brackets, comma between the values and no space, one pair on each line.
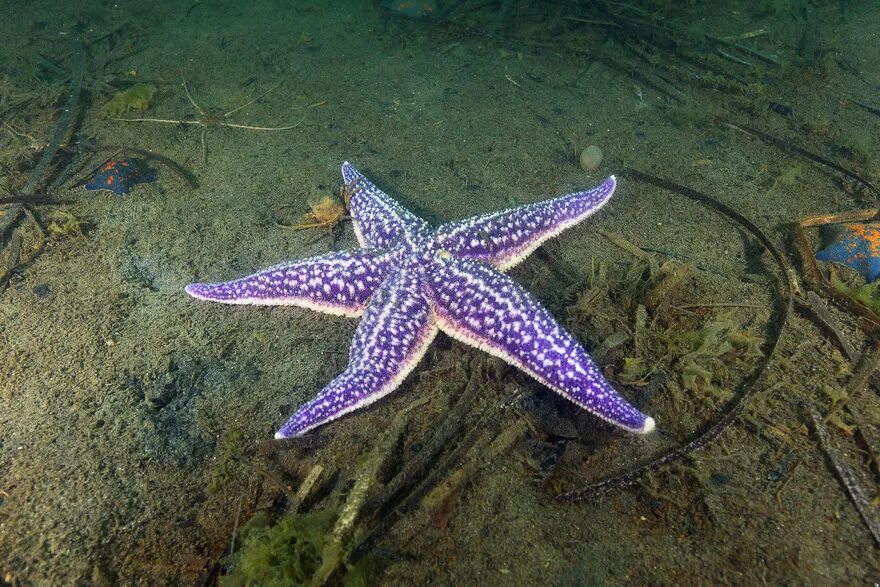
[408,282]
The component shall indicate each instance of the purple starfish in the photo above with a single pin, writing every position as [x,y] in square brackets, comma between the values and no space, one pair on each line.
[410,282]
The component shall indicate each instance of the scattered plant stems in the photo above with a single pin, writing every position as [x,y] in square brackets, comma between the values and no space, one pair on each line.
[63,122]
[784,302]
[20,207]
[414,470]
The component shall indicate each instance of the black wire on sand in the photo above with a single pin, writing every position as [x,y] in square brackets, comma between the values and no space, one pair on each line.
[783,306]
[791,147]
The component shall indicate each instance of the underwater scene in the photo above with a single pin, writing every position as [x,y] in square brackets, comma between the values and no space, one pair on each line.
[440,292]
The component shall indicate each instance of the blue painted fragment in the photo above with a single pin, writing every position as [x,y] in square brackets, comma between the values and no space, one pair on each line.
[856,246]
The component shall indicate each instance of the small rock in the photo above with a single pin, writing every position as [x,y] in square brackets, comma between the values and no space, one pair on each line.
[591,158]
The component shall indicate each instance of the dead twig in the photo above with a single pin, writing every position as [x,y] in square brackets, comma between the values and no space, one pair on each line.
[830,325]
[847,479]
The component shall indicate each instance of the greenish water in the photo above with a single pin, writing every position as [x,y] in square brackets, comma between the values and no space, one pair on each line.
[136,422]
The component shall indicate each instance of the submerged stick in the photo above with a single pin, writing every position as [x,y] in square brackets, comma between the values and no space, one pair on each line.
[847,479]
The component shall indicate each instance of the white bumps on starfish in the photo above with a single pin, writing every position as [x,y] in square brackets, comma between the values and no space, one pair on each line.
[409,282]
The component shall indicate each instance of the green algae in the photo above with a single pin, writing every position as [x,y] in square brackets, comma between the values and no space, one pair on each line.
[867,295]
[223,472]
[701,358]
[666,328]
[64,224]
[137,98]
[635,371]
[789,177]
[709,352]
[297,550]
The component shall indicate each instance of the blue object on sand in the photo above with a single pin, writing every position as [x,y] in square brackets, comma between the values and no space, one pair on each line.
[856,246]
[119,176]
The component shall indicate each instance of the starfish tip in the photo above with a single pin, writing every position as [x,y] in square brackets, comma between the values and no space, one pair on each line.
[648,427]
[611,183]
[197,290]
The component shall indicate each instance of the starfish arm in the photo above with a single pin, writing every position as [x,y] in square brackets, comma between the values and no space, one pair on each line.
[507,237]
[478,305]
[379,221]
[338,283]
[396,330]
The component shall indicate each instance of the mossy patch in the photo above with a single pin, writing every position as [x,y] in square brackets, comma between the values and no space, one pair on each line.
[789,177]
[635,371]
[294,551]
[671,339]
[867,295]
[721,342]
[137,98]
[223,471]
